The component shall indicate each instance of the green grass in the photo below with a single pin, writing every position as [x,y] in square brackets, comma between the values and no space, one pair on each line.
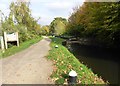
[64,62]
[24,45]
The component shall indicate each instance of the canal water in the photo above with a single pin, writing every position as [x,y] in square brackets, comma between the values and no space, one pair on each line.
[103,62]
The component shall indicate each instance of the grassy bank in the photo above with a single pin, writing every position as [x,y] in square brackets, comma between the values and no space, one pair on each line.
[64,62]
[24,45]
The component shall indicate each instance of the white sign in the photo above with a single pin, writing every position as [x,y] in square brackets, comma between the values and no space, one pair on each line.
[11,37]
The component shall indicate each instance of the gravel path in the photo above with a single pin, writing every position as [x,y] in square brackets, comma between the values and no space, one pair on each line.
[29,66]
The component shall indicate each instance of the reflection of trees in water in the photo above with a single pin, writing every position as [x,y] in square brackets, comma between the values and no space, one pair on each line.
[69,47]
[96,52]
[102,61]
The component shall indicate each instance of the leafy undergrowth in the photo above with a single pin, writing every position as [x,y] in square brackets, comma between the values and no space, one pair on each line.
[64,62]
[24,45]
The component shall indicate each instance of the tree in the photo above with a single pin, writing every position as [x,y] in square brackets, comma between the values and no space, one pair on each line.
[45,30]
[58,26]
[21,20]
[97,20]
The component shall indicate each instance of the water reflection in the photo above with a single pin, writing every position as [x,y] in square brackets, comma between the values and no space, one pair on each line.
[103,62]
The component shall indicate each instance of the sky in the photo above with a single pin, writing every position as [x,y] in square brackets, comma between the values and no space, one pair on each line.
[47,10]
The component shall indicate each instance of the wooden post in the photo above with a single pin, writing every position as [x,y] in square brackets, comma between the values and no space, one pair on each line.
[5,40]
[17,39]
[2,43]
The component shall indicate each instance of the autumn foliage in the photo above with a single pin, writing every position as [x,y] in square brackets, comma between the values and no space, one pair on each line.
[97,20]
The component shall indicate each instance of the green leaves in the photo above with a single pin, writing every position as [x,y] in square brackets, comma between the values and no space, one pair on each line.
[99,21]
[45,30]
[58,26]
[21,20]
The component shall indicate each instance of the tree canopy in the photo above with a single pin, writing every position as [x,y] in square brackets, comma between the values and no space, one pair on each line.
[20,19]
[98,20]
[58,26]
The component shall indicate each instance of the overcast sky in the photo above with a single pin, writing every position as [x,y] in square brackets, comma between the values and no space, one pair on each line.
[47,10]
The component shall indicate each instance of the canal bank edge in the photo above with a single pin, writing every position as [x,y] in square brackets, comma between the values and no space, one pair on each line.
[64,62]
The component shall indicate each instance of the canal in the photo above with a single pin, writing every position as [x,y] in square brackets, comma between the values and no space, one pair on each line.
[102,61]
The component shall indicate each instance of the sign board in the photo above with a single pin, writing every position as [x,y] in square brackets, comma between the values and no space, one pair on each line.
[11,38]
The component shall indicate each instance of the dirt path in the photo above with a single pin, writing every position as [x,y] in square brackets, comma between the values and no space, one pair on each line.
[29,66]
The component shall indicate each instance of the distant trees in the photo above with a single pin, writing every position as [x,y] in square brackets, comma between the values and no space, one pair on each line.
[98,20]
[58,26]
[1,18]
[45,30]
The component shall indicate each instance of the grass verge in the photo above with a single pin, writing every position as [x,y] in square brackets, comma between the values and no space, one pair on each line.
[64,62]
[24,45]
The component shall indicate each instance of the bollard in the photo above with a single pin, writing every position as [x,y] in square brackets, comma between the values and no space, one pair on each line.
[72,77]
[56,46]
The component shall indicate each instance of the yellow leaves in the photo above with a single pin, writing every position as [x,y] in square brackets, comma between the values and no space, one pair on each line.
[94,82]
[66,82]
[70,66]
[81,68]
[54,79]
[62,62]
[79,81]
[54,69]
[54,62]
[65,72]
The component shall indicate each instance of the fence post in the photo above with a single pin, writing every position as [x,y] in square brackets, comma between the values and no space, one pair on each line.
[17,38]
[5,39]
[2,43]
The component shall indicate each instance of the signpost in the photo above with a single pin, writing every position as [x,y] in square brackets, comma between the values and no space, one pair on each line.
[1,43]
[13,37]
